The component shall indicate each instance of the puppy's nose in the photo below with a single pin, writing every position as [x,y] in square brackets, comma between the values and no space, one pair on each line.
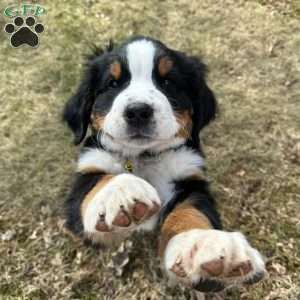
[137,114]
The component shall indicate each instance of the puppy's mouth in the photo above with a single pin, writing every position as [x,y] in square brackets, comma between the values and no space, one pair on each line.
[137,140]
[137,135]
[140,136]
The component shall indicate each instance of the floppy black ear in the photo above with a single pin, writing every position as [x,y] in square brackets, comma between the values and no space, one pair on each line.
[205,108]
[204,101]
[78,110]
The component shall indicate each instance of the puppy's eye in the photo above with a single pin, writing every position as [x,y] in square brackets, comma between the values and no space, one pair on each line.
[113,84]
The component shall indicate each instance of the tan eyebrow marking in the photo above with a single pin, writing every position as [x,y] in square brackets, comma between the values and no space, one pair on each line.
[115,70]
[164,66]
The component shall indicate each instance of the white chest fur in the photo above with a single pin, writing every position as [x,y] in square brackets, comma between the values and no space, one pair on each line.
[160,171]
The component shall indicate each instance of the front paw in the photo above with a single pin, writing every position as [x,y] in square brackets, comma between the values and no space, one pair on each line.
[211,260]
[121,205]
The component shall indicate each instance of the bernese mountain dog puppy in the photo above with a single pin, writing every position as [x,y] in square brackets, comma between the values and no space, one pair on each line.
[142,166]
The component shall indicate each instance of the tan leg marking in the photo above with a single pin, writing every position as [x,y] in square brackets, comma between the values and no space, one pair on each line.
[183,218]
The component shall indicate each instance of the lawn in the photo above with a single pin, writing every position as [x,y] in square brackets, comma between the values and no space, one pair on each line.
[252,49]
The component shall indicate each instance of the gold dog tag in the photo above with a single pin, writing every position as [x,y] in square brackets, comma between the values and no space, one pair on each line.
[128,166]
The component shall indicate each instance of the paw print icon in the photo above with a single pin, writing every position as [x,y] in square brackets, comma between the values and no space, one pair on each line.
[24,31]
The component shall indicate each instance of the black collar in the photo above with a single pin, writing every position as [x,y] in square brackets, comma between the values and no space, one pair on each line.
[146,154]
[151,154]
[93,141]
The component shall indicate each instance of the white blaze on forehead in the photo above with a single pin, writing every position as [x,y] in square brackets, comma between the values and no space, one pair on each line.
[140,56]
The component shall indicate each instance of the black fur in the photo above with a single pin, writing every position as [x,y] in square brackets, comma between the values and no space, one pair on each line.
[204,104]
[209,286]
[78,109]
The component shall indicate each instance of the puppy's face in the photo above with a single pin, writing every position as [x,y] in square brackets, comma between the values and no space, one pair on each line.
[142,96]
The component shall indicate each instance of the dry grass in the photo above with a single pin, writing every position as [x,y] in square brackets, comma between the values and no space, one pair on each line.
[253,149]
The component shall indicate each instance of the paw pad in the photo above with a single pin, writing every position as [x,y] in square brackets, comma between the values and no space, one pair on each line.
[122,219]
[137,213]
[101,224]
[24,32]
[214,267]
